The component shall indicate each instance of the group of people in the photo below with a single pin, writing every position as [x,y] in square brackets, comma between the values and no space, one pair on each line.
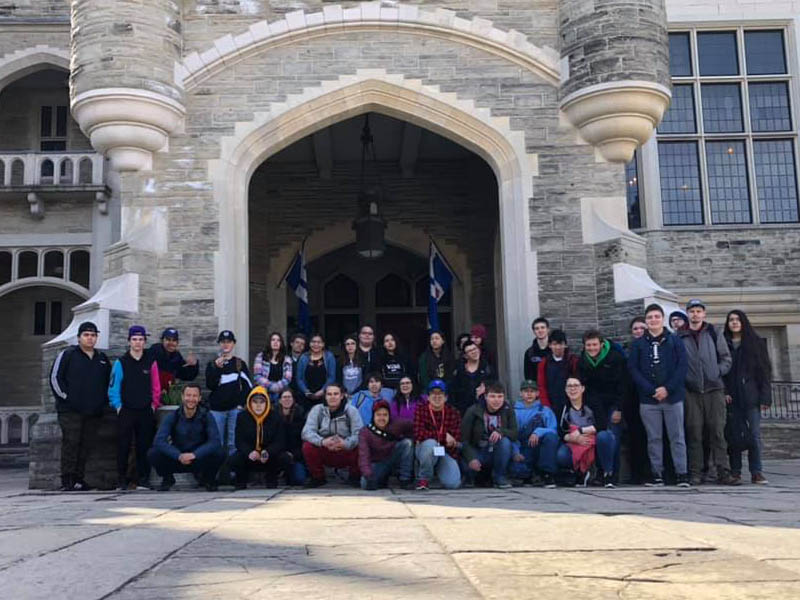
[377,414]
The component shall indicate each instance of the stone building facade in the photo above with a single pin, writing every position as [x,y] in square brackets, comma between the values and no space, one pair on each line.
[208,139]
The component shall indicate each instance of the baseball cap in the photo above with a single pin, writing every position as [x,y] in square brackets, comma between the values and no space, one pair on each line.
[528,384]
[87,326]
[136,330]
[437,384]
[694,303]
[226,335]
[171,333]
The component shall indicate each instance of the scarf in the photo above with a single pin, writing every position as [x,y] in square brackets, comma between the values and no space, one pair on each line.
[382,433]
[604,350]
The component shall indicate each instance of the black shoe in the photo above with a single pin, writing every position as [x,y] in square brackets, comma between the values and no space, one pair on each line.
[372,485]
[655,482]
[67,484]
[355,482]
[407,485]
[211,485]
[166,483]
[271,484]
[683,480]
[315,483]
[608,480]
[240,485]
[549,481]
[82,486]
[144,486]
[122,485]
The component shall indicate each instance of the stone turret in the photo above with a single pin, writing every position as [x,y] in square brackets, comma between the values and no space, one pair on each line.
[615,71]
[122,85]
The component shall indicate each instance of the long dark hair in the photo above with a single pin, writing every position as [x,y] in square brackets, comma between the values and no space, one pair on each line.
[344,359]
[753,348]
[281,349]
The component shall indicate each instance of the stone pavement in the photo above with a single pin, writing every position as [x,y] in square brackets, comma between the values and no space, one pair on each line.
[335,542]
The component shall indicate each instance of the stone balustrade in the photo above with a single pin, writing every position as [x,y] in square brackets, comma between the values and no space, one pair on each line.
[29,169]
[16,423]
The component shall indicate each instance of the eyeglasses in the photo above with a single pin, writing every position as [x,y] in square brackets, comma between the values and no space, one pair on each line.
[573,385]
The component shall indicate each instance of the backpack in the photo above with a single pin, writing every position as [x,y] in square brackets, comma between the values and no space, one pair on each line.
[737,431]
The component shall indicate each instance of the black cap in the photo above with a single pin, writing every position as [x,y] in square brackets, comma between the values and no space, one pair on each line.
[170,333]
[694,303]
[87,326]
[226,335]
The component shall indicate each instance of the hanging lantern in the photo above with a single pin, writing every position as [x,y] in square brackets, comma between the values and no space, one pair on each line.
[370,228]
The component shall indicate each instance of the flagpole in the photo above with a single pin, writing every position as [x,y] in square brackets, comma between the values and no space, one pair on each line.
[444,259]
[291,264]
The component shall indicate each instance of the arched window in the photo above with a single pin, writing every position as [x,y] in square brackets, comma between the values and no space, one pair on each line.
[27,264]
[422,291]
[54,264]
[392,291]
[5,267]
[65,171]
[46,171]
[341,292]
[15,429]
[85,170]
[79,267]
[17,172]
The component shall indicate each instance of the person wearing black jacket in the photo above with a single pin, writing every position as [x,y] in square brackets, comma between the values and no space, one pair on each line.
[472,375]
[603,370]
[293,418]
[394,363]
[747,391]
[79,380]
[539,348]
[171,364]
[228,378]
[368,352]
[260,440]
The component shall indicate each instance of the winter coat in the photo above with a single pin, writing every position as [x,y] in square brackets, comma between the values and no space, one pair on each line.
[135,383]
[394,367]
[229,384]
[433,425]
[552,379]
[432,367]
[708,357]
[606,382]
[530,361]
[402,409]
[656,362]
[261,369]
[321,424]
[178,434]
[80,383]
[172,366]
[373,448]
[293,429]
[364,400]
[474,432]
[465,384]
[741,383]
[330,369]
[272,434]
[536,418]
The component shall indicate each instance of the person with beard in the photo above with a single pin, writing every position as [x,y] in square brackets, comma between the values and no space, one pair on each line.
[330,437]
[748,390]
[385,448]
[260,440]
[553,372]
[488,432]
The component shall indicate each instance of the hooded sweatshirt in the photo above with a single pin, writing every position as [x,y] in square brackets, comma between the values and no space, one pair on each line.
[259,432]
[376,444]
[322,423]
[479,423]
[534,418]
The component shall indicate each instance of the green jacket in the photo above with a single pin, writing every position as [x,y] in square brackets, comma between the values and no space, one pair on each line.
[474,435]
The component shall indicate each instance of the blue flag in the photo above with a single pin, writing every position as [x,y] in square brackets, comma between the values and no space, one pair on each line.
[441,278]
[298,281]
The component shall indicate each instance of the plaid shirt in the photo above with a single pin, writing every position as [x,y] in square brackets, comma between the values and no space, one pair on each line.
[427,428]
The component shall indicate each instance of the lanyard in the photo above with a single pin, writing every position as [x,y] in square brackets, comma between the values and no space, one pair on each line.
[433,420]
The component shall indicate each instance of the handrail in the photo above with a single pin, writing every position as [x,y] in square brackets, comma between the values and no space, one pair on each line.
[45,168]
[785,402]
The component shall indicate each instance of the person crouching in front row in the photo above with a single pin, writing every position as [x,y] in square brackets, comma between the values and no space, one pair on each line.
[330,437]
[384,448]
[260,441]
[187,442]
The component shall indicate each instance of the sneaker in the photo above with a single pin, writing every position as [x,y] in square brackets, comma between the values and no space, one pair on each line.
[122,486]
[82,486]
[736,479]
[655,482]
[549,481]
[315,483]
[726,478]
[683,481]
[211,485]
[422,485]
[166,483]
[695,480]
[67,484]
[143,486]
[608,480]
[585,478]
[758,479]
[503,485]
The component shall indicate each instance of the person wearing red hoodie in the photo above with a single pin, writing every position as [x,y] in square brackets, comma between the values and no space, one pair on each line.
[554,370]
[384,447]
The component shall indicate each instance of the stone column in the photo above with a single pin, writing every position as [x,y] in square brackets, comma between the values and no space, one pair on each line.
[122,84]
[616,71]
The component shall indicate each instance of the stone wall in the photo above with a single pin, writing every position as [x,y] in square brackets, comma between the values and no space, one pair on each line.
[779,439]
[35,9]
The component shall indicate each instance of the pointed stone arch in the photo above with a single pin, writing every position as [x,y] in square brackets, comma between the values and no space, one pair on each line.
[367,16]
[317,107]
[18,64]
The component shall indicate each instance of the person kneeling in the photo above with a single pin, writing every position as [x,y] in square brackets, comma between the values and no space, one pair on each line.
[385,448]
[488,431]
[260,441]
[437,432]
[330,437]
[187,442]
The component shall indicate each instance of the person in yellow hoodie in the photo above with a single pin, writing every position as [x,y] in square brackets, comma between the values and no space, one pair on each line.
[260,441]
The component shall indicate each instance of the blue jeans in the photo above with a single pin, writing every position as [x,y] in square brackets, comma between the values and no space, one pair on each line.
[401,461]
[604,451]
[226,423]
[445,467]
[541,458]
[753,417]
[296,473]
[496,459]
[614,429]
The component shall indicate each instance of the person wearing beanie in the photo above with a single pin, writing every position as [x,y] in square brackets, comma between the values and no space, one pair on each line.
[79,380]
[437,433]
[385,448]
[171,364]
[678,320]
[488,431]
[330,437]
[537,444]
[554,370]
[260,440]
[135,394]
[478,334]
